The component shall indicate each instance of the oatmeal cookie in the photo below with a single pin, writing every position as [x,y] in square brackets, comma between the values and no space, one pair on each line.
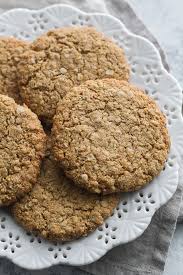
[63,58]
[22,145]
[11,50]
[109,136]
[59,211]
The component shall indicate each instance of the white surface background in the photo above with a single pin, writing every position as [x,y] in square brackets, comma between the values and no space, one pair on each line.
[164,18]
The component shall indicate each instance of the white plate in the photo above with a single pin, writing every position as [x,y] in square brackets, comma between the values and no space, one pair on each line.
[135,210]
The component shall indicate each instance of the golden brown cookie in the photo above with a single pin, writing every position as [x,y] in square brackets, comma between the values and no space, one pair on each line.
[22,145]
[59,211]
[63,58]
[11,50]
[109,136]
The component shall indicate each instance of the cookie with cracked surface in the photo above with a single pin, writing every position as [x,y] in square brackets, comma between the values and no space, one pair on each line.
[22,145]
[63,58]
[57,210]
[11,50]
[109,136]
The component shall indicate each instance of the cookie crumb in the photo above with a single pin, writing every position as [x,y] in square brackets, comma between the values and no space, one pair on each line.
[109,72]
[84,177]
[63,71]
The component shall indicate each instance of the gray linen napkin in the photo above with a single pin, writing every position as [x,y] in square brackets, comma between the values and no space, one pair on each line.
[147,254]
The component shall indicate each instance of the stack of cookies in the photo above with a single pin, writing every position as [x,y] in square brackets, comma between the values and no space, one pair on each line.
[74,132]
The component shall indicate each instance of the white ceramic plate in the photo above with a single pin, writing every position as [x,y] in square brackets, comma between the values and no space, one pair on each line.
[135,210]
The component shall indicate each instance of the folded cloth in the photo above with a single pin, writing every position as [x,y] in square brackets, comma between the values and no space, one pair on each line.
[147,254]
